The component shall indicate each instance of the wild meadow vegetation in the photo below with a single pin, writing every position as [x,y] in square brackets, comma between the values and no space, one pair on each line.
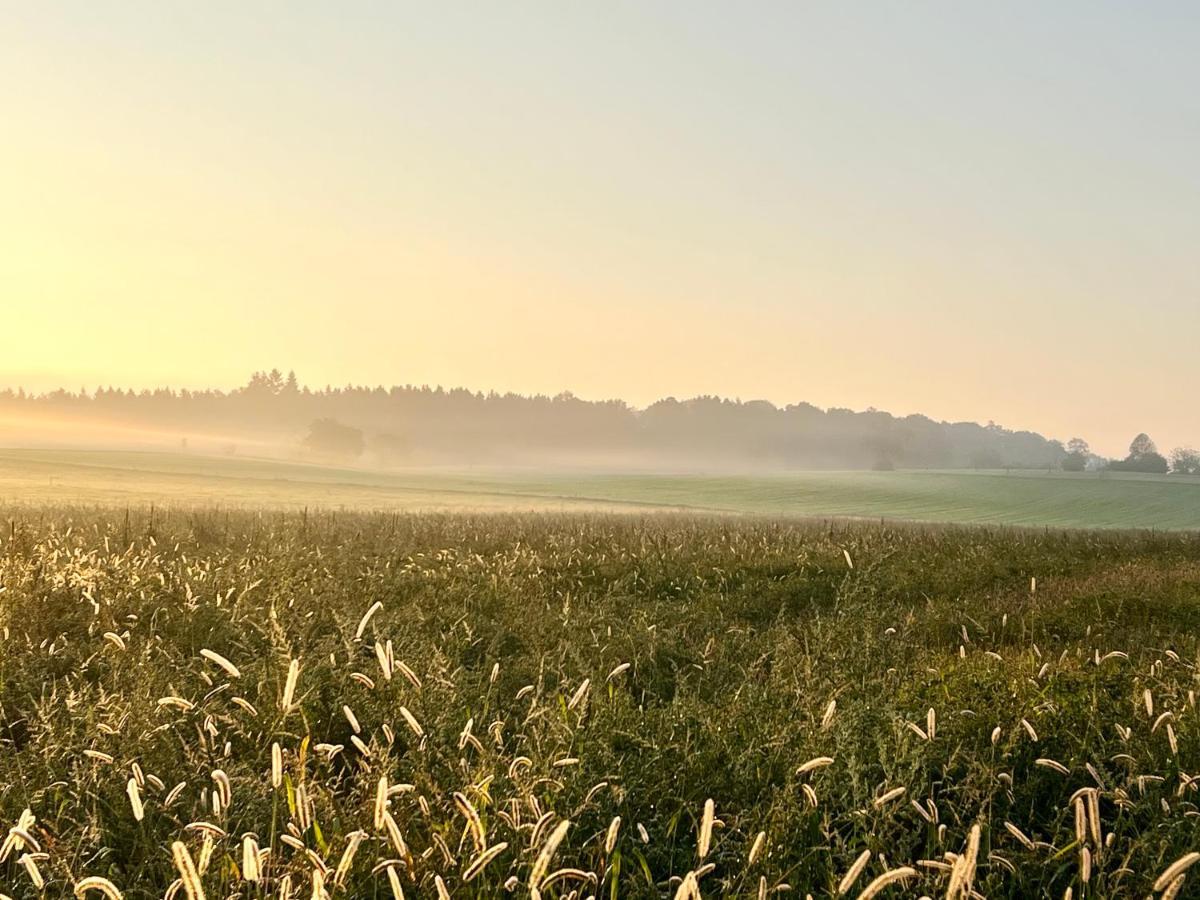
[250,705]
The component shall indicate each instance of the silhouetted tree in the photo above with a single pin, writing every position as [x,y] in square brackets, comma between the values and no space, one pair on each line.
[1078,453]
[331,438]
[1143,457]
[1185,461]
[1142,446]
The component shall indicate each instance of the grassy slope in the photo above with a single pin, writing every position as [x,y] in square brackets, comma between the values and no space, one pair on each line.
[737,634]
[112,478]
[1025,498]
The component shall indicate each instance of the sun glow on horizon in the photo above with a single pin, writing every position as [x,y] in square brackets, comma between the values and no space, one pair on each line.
[968,213]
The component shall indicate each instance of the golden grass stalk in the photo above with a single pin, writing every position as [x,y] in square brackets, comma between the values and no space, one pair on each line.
[1053,765]
[810,794]
[243,703]
[212,656]
[1021,836]
[916,729]
[818,762]
[174,794]
[689,888]
[827,718]
[26,838]
[887,878]
[397,840]
[963,875]
[289,686]
[480,862]
[135,800]
[207,845]
[403,668]
[115,639]
[579,694]
[206,828]
[96,883]
[1093,808]
[542,864]
[706,827]
[412,722]
[250,870]
[362,623]
[1174,888]
[381,801]
[1175,869]
[29,864]
[610,836]
[187,871]
[394,883]
[468,811]
[756,848]
[622,668]
[855,870]
[385,665]
[888,796]
[353,839]
[224,789]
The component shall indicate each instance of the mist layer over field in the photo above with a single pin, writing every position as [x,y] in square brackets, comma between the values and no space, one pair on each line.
[192,480]
[381,427]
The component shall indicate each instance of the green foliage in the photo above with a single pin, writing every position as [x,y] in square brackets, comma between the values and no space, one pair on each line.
[332,438]
[734,635]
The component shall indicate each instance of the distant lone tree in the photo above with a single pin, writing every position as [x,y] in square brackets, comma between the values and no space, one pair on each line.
[1078,453]
[1185,461]
[1143,457]
[1142,446]
[329,437]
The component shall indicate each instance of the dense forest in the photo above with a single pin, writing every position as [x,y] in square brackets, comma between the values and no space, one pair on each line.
[420,425]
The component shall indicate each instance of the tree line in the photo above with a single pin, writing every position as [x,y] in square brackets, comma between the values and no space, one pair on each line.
[1143,457]
[422,424]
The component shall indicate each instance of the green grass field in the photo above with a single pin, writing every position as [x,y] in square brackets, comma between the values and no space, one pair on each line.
[609,706]
[109,478]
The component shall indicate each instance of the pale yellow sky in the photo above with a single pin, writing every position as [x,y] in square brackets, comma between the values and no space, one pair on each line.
[968,213]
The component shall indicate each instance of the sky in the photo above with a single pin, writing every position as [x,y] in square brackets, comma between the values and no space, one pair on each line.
[969,210]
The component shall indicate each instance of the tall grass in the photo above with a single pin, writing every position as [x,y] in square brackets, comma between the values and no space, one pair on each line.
[264,705]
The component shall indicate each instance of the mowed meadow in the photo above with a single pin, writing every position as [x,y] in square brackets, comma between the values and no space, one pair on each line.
[223,704]
[1019,497]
